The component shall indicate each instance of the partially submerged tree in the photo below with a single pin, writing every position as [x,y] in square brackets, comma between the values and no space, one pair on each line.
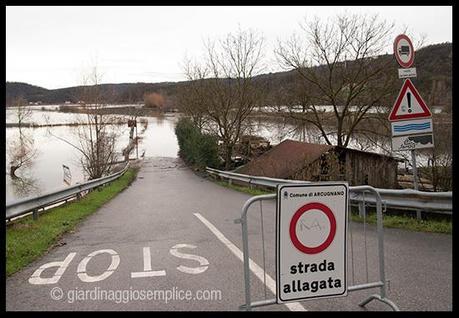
[21,149]
[336,67]
[223,89]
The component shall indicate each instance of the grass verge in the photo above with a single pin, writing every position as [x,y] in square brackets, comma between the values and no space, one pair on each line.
[406,222]
[26,239]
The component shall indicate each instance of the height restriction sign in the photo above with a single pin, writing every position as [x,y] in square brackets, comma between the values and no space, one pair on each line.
[311,226]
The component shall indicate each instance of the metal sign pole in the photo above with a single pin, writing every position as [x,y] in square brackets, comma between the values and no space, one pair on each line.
[415,170]
[136,142]
[415,179]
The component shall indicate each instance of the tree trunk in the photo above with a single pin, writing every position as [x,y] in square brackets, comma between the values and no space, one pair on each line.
[13,169]
[228,153]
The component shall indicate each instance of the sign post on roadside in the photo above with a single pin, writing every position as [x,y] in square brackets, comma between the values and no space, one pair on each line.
[411,119]
[311,227]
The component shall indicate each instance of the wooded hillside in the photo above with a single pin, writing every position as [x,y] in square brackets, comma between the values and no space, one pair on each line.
[433,64]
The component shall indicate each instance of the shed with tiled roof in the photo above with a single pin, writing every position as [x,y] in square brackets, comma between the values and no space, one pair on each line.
[315,162]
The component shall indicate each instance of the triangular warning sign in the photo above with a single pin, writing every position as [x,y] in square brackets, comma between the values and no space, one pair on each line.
[409,104]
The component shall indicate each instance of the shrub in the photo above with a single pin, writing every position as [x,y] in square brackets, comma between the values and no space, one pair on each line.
[154,100]
[196,148]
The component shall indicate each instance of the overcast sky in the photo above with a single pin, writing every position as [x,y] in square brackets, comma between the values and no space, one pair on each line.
[53,47]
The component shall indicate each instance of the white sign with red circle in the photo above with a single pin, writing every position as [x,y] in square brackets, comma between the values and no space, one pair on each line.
[404,51]
[311,227]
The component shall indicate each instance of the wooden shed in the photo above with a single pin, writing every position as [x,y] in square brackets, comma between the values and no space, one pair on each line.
[314,162]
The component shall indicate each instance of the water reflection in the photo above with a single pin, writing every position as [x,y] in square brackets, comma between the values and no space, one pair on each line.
[25,186]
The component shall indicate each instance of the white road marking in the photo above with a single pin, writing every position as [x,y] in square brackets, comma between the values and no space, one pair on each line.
[147,271]
[91,279]
[35,279]
[257,270]
[185,269]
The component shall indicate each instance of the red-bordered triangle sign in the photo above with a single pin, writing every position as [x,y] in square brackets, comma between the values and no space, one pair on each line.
[409,104]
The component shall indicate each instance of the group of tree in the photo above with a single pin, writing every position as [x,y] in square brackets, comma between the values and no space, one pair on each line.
[222,91]
[341,63]
[331,63]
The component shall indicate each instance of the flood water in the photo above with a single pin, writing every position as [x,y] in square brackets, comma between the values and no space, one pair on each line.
[45,174]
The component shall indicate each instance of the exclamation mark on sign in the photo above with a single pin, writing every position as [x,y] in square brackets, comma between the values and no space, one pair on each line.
[408,97]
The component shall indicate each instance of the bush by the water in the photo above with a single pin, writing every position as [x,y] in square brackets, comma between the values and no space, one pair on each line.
[196,148]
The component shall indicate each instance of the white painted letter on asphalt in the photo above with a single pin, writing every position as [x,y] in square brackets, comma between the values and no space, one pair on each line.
[189,270]
[147,271]
[90,279]
[35,279]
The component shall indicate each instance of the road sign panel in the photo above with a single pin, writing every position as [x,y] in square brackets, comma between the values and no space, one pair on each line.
[409,104]
[311,227]
[410,127]
[67,175]
[404,51]
[407,72]
[411,142]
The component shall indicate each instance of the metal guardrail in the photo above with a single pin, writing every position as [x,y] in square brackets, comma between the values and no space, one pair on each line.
[438,202]
[33,204]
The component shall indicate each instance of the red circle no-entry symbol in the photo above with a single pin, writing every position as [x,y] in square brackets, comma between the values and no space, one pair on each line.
[331,235]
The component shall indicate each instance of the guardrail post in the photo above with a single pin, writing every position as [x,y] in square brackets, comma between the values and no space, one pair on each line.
[361,209]
[35,214]
[418,214]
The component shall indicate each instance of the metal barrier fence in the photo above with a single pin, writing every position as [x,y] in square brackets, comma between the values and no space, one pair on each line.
[435,202]
[380,282]
[33,204]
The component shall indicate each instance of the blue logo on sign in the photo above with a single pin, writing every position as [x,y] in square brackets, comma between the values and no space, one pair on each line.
[407,127]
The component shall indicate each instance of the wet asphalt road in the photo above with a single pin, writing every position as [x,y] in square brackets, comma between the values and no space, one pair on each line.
[153,227]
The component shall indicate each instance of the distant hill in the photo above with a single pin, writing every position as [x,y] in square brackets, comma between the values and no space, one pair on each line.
[433,64]
[116,93]
[29,92]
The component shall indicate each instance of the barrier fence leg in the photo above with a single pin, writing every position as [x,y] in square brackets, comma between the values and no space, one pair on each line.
[245,247]
[263,248]
[382,275]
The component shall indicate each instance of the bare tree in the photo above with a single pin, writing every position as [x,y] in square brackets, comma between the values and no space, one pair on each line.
[440,158]
[225,89]
[191,96]
[21,150]
[96,132]
[336,67]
